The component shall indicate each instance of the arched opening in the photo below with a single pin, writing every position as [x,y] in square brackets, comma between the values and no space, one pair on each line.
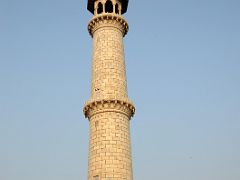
[116,9]
[109,6]
[100,8]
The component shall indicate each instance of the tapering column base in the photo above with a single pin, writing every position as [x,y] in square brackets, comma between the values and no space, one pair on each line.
[109,146]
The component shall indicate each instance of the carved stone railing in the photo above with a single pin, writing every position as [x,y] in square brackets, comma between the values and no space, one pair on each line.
[108,19]
[99,106]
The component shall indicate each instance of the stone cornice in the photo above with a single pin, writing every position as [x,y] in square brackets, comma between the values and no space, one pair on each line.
[99,106]
[106,20]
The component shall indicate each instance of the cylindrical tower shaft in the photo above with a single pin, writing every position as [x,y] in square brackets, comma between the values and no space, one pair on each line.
[109,109]
[108,68]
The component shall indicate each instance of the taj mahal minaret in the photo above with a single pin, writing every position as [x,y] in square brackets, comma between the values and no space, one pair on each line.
[109,110]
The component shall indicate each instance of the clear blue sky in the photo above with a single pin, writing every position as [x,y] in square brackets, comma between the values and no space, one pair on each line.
[183,69]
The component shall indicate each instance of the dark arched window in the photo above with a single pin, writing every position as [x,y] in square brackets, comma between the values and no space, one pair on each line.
[109,6]
[116,9]
[100,8]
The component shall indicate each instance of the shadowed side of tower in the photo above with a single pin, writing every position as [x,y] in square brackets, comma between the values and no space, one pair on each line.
[109,109]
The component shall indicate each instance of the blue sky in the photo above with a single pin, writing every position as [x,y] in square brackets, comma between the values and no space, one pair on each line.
[183,70]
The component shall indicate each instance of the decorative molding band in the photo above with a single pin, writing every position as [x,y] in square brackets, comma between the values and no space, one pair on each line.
[99,106]
[108,20]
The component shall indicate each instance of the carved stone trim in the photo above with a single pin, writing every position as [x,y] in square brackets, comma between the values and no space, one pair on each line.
[100,106]
[106,20]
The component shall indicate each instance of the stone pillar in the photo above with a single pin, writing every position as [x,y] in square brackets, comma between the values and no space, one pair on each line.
[109,109]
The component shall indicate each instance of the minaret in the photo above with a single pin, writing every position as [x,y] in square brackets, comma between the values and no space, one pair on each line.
[109,109]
